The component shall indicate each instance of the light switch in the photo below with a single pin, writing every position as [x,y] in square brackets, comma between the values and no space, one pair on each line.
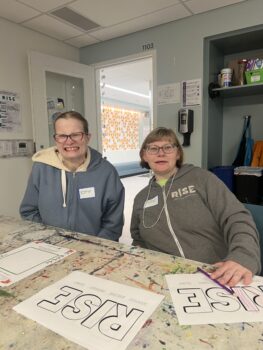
[16,148]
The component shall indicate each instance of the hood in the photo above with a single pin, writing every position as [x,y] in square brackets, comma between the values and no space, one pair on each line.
[185,168]
[50,156]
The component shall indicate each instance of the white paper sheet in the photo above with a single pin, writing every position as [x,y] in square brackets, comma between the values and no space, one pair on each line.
[168,93]
[28,259]
[90,311]
[191,93]
[197,300]
[10,114]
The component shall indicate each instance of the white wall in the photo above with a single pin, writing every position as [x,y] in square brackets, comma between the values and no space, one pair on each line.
[15,43]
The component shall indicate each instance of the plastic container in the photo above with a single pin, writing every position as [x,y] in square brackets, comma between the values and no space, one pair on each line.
[226,174]
[248,184]
[226,77]
[241,71]
[254,76]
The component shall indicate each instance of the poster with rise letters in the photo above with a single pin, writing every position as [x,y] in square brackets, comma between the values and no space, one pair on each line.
[90,311]
[10,118]
[198,300]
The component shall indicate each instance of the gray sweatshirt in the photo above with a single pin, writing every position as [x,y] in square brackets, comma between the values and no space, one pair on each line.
[200,220]
[90,200]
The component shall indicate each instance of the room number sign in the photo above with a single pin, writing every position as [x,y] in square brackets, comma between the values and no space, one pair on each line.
[147,46]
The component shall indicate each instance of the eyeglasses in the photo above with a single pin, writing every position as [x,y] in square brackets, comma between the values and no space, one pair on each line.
[167,149]
[76,136]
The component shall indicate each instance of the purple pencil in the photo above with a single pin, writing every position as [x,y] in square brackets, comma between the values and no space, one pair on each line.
[217,282]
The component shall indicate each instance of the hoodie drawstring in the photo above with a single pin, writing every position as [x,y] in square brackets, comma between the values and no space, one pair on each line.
[64,187]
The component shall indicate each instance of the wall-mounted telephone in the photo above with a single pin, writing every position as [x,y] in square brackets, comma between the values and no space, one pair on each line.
[186,124]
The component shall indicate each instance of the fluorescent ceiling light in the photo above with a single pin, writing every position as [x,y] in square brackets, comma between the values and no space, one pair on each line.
[127,91]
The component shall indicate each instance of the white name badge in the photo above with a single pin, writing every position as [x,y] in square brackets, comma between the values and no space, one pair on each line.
[151,202]
[87,192]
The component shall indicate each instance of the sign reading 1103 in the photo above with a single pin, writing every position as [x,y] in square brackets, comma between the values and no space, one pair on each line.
[147,46]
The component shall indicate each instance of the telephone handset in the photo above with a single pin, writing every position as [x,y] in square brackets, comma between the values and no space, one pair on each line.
[186,124]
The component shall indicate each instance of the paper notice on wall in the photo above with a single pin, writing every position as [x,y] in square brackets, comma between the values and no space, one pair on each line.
[168,93]
[10,116]
[191,92]
[93,312]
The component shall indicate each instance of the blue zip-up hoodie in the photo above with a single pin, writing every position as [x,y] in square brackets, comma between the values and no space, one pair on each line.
[90,200]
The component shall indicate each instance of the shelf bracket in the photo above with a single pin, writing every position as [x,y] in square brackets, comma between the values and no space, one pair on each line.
[211,92]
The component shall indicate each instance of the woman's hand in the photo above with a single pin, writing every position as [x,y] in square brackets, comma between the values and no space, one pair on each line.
[231,273]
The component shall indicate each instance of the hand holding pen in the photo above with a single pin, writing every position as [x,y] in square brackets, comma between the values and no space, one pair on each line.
[214,280]
[231,273]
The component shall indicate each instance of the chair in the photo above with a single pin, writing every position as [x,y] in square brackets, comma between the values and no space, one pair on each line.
[257,214]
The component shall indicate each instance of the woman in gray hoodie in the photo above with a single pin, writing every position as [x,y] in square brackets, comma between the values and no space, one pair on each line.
[187,211]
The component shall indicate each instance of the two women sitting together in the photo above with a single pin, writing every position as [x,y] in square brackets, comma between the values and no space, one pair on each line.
[185,210]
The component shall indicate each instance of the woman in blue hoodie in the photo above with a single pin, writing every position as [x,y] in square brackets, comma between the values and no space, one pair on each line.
[71,186]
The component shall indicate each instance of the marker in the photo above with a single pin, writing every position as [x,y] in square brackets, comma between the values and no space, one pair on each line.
[217,282]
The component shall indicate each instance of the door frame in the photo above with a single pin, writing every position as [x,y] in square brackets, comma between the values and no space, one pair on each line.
[39,64]
[118,61]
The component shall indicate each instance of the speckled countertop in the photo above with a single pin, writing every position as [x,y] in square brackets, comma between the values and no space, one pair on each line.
[121,263]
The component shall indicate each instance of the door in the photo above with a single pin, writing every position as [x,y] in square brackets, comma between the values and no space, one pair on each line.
[59,85]
[125,110]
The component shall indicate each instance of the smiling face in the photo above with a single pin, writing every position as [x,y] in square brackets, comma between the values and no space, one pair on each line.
[162,164]
[71,151]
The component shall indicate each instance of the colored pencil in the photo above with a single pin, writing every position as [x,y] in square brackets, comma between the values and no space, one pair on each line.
[214,280]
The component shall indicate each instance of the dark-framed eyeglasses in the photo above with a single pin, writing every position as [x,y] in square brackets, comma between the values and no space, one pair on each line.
[167,149]
[76,136]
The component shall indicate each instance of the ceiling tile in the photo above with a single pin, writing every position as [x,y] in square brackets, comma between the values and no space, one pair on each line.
[82,40]
[15,11]
[106,13]
[69,16]
[45,5]
[117,17]
[163,16]
[52,27]
[199,6]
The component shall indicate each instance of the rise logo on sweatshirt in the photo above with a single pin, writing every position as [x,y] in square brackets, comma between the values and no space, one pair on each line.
[183,192]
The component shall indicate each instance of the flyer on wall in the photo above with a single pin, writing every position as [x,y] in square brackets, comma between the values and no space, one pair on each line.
[191,93]
[10,117]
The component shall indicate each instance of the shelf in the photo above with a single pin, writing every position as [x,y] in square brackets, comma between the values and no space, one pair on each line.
[243,90]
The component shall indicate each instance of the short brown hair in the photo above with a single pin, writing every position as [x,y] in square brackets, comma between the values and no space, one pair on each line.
[157,135]
[73,115]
